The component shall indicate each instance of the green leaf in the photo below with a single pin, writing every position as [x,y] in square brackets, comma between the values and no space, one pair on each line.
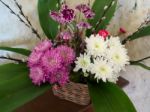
[48,25]
[145,31]
[98,7]
[16,88]
[17,50]
[108,97]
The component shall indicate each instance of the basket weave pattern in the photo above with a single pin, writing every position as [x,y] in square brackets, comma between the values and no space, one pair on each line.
[74,92]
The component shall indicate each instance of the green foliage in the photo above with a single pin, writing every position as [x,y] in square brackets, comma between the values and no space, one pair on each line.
[98,7]
[48,25]
[145,31]
[17,50]
[108,97]
[16,88]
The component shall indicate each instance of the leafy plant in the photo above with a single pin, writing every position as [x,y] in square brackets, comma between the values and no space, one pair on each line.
[16,88]
[49,26]
[104,11]
[145,31]
[17,50]
[108,97]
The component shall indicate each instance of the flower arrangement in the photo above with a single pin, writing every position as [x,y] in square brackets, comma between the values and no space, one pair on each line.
[78,55]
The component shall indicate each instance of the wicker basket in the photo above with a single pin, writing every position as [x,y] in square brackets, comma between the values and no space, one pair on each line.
[74,92]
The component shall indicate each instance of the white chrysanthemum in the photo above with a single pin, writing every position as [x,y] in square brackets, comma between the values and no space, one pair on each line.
[96,45]
[83,62]
[114,42]
[109,57]
[102,69]
[119,58]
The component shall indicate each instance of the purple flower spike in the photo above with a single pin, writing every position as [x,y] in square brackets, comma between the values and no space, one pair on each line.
[83,7]
[66,35]
[89,14]
[86,10]
[56,16]
[67,14]
[84,25]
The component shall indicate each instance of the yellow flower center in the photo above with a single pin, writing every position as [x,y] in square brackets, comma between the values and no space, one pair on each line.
[84,63]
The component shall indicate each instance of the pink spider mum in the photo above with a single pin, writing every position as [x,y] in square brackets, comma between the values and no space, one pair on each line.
[34,58]
[51,61]
[37,75]
[43,46]
[61,76]
[66,53]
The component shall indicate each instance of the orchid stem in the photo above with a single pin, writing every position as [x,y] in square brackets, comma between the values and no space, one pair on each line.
[141,60]
[12,59]
[29,25]
[103,15]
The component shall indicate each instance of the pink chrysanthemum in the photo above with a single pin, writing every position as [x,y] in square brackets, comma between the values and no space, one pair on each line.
[37,75]
[66,53]
[51,61]
[61,76]
[43,46]
[34,58]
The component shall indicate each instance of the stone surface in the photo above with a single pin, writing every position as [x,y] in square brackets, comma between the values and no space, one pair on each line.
[15,32]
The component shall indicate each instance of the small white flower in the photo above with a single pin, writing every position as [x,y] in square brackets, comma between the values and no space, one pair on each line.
[96,45]
[113,3]
[103,18]
[83,62]
[102,69]
[105,7]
